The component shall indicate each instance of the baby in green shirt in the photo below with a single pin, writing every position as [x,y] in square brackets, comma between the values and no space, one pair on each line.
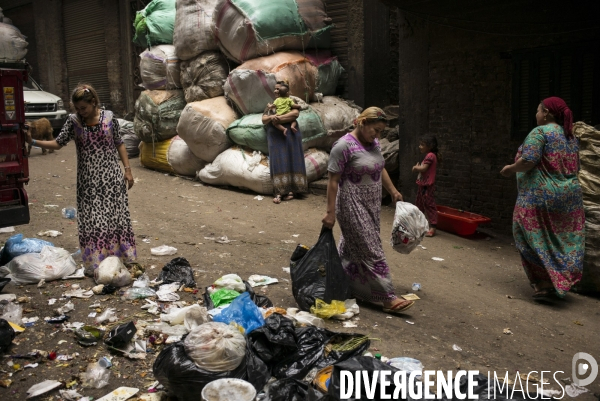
[282,105]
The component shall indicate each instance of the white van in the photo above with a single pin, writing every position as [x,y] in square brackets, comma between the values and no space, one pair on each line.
[40,104]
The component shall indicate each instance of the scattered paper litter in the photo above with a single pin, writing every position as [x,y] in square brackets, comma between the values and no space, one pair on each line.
[409,322]
[51,301]
[224,240]
[258,197]
[79,273]
[163,250]
[120,394]
[50,205]
[507,331]
[456,348]
[49,233]
[573,390]
[288,241]
[410,297]
[437,259]
[295,235]
[43,387]
[78,293]
[349,324]
[7,230]
[257,279]
[8,297]
[421,246]
[286,269]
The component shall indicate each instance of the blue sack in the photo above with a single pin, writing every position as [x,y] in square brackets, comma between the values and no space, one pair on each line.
[243,312]
[17,246]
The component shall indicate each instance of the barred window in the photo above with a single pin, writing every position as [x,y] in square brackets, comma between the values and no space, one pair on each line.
[569,72]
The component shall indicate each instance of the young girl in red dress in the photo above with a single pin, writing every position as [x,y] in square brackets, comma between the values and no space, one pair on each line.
[426,180]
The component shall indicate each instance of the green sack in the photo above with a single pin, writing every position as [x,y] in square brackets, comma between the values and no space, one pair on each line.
[157,114]
[155,23]
[249,130]
[223,296]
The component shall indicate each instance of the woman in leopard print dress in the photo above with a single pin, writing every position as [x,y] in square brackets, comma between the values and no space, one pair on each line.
[104,224]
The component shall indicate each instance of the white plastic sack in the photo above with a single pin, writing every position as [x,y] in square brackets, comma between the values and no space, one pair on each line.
[410,226]
[13,46]
[231,282]
[159,68]
[112,271]
[203,126]
[193,34]
[50,264]
[244,170]
[216,347]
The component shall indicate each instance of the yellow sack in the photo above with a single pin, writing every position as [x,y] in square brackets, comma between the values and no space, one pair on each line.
[325,311]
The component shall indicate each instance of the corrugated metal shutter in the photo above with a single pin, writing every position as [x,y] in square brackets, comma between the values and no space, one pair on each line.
[337,10]
[85,46]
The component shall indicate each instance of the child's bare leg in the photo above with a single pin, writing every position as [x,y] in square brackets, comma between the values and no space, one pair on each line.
[294,127]
[281,128]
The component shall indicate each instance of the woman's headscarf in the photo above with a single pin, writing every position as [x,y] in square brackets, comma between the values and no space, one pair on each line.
[560,111]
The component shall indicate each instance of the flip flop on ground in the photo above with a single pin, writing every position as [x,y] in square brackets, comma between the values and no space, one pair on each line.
[399,307]
[277,199]
[289,196]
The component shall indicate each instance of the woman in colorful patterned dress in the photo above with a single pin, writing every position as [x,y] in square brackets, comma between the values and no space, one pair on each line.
[356,174]
[548,221]
[103,220]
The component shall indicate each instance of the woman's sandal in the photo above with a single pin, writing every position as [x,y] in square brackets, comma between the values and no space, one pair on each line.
[289,196]
[430,233]
[277,199]
[399,307]
[544,293]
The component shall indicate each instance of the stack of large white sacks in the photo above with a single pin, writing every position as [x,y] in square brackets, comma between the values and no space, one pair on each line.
[211,83]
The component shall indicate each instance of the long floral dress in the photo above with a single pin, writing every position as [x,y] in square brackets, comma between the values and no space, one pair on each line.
[549,220]
[357,210]
[103,220]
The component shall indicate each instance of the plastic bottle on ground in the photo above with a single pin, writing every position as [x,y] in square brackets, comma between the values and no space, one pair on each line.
[69,213]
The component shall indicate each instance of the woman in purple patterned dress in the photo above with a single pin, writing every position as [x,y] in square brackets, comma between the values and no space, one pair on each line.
[356,174]
[104,224]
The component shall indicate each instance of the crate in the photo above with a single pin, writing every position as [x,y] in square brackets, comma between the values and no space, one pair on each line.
[458,221]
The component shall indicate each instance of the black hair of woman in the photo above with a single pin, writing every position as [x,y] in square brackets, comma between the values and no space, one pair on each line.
[431,142]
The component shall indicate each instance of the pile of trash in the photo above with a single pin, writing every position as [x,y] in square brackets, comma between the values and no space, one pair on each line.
[228,332]
[208,82]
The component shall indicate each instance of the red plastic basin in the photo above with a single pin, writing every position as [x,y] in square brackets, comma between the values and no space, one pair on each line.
[459,222]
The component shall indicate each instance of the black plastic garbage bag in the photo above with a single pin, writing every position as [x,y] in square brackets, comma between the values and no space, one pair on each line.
[259,300]
[292,390]
[178,270]
[7,334]
[319,273]
[182,378]
[291,353]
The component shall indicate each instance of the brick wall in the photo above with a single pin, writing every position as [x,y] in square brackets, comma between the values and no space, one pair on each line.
[467,103]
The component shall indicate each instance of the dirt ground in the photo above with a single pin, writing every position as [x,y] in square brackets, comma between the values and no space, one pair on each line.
[468,299]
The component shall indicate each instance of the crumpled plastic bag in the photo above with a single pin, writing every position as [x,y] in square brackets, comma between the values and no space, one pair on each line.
[409,228]
[243,312]
[177,270]
[190,316]
[112,271]
[231,282]
[216,347]
[17,246]
[223,296]
[325,311]
[12,313]
[50,264]
[96,376]
[163,250]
